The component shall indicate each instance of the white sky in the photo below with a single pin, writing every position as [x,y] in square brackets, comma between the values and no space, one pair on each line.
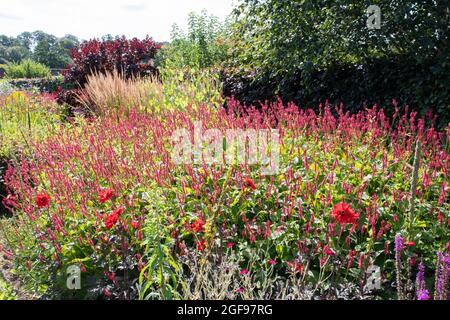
[94,18]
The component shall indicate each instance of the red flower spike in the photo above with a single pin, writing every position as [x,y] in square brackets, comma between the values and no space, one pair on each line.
[201,245]
[249,183]
[135,224]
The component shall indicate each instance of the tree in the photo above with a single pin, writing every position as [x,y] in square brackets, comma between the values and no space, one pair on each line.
[203,45]
[51,51]
[68,42]
[44,52]
[3,55]
[310,51]
[42,47]
[286,35]
[17,53]
[26,40]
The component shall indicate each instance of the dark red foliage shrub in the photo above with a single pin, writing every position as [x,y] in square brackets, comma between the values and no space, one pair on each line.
[129,57]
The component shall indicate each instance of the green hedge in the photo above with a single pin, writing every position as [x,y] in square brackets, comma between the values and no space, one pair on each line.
[26,69]
[424,86]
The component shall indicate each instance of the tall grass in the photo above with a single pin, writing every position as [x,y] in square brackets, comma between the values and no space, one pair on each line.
[112,92]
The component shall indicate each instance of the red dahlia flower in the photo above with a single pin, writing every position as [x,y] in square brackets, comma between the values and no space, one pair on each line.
[42,200]
[111,220]
[249,183]
[105,195]
[343,213]
[198,225]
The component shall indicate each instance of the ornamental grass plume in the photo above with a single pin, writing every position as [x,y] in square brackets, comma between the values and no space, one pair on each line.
[114,92]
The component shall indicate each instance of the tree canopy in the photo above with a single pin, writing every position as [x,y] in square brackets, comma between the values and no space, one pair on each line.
[38,45]
[291,34]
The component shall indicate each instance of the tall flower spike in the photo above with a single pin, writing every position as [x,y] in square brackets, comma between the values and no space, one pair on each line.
[398,265]
[420,279]
[399,243]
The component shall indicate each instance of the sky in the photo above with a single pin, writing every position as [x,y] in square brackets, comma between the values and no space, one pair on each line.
[87,19]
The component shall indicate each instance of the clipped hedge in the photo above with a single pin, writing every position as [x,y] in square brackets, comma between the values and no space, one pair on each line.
[421,85]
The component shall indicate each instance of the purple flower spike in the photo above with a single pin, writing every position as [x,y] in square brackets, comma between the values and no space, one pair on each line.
[399,243]
[423,295]
[420,279]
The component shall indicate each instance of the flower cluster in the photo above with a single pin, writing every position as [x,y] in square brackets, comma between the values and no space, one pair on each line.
[337,204]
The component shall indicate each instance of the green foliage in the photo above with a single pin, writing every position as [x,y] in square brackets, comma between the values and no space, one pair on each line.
[310,51]
[420,85]
[289,34]
[23,118]
[159,279]
[204,45]
[40,46]
[53,52]
[13,54]
[6,292]
[181,88]
[27,69]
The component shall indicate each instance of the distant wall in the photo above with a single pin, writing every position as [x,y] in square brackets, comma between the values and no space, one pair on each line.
[50,84]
